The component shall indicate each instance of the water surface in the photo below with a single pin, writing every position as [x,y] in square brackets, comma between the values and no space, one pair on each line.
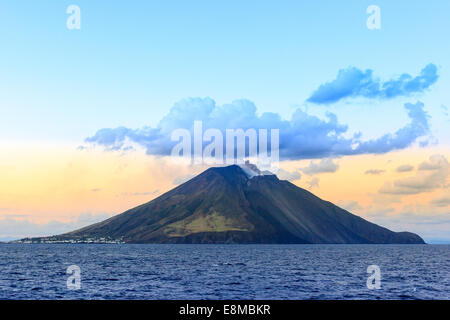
[123,271]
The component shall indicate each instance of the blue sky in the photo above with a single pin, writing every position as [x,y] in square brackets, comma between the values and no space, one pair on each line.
[130,63]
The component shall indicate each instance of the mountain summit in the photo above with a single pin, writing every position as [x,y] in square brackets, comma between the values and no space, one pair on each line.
[239,204]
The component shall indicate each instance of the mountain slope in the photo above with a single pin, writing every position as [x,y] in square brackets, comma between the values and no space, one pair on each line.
[226,205]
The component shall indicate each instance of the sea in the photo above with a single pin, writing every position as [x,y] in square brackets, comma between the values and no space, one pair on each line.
[159,271]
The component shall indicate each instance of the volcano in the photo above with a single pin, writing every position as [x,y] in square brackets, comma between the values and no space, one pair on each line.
[239,204]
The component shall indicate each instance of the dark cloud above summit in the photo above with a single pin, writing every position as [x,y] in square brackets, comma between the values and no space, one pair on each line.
[304,136]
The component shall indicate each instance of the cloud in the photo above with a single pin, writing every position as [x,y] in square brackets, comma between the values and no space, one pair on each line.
[304,136]
[433,228]
[418,127]
[350,205]
[313,183]
[428,221]
[436,162]
[374,171]
[323,166]
[13,227]
[405,168]
[353,82]
[289,176]
[430,176]
[441,201]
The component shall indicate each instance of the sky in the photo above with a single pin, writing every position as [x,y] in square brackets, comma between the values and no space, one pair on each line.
[86,114]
